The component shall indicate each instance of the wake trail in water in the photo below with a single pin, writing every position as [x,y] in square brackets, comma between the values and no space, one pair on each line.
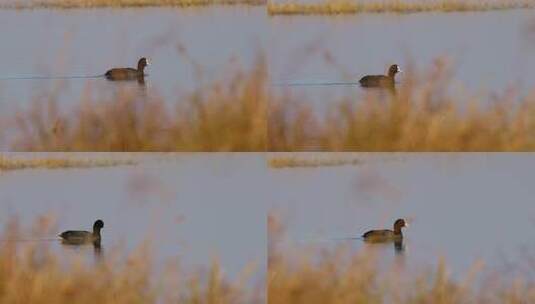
[328,239]
[30,240]
[347,238]
[50,77]
[297,84]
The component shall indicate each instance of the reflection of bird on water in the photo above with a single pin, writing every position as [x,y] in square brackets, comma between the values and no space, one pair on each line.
[398,246]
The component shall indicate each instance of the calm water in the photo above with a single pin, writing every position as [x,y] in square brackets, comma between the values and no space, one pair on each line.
[462,207]
[60,43]
[465,208]
[489,51]
[192,206]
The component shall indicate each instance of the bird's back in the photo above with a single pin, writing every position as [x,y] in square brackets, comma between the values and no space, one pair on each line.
[379,235]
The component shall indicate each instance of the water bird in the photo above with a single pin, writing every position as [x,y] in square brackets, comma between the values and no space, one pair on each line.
[79,237]
[386,235]
[129,73]
[381,81]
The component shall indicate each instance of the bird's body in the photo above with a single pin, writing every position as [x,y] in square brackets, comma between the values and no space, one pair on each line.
[128,73]
[381,81]
[79,237]
[122,74]
[372,81]
[386,235]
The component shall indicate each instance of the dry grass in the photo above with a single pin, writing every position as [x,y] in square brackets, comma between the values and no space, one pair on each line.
[422,116]
[297,161]
[341,276]
[32,273]
[69,4]
[244,113]
[333,7]
[11,163]
[226,116]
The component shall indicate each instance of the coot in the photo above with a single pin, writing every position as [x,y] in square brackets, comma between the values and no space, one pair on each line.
[381,81]
[77,237]
[386,235]
[128,73]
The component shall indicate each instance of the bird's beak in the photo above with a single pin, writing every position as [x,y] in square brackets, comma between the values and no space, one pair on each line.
[148,62]
[406,224]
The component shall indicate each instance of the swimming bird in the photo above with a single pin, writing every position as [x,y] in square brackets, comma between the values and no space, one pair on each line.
[381,81]
[128,73]
[386,235]
[79,237]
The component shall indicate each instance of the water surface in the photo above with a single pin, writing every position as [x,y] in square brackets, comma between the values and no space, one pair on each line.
[488,51]
[188,47]
[465,208]
[195,207]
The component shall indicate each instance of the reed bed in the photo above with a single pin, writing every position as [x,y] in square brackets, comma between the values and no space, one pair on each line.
[8,163]
[425,114]
[334,7]
[70,4]
[31,272]
[300,162]
[224,116]
[338,276]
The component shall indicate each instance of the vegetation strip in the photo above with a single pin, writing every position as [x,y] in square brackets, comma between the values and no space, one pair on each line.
[70,4]
[295,162]
[9,163]
[334,7]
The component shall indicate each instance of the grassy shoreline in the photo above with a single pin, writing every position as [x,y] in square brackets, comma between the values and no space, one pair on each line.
[81,4]
[9,163]
[282,162]
[337,7]
[328,7]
